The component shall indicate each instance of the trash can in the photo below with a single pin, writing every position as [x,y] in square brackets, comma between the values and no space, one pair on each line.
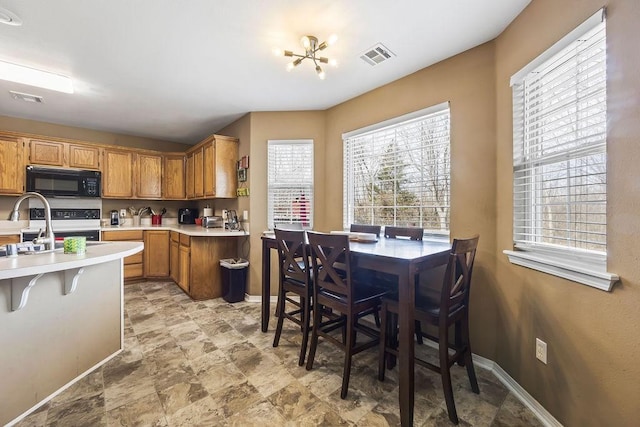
[234,278]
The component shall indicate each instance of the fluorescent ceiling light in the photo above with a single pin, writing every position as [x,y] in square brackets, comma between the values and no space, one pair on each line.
[32,77]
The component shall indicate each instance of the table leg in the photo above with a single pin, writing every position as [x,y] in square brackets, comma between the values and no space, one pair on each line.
[266,284]
[406,299]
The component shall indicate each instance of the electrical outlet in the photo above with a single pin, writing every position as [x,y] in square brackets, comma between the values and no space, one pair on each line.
[123,213]
[541,350]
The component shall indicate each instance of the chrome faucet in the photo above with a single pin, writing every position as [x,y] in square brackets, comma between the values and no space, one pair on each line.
[49,239]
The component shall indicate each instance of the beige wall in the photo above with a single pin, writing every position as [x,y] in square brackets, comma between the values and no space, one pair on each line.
[14,124]
[261,127]
[592,377]
[467,82]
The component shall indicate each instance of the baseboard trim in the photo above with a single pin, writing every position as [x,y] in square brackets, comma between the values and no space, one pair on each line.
[538,410]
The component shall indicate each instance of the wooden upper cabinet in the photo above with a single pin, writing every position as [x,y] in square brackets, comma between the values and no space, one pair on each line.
[50,153]
[226,159]
[198,173]
[173,174]
[209,169]
[189,187]
[148,176]
[84,156]
[11,166]
[117,174]
[63,154]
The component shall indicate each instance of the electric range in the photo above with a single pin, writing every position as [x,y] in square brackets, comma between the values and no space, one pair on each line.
[69,217]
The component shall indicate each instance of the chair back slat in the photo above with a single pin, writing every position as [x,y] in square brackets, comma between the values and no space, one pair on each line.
[413,233]
[362,228]
[327,252]
[293,255]
[457,278]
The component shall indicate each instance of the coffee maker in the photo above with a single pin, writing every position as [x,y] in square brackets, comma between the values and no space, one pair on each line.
[115,218]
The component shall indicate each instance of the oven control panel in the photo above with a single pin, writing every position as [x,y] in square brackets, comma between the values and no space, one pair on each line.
[65,214]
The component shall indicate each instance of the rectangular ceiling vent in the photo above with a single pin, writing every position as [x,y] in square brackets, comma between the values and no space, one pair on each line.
[26,97]
[377,54]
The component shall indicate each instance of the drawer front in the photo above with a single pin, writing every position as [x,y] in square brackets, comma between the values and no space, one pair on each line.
[185,240]
[175,236]
[134,259]
[132,271]
[122,235]
[11,238]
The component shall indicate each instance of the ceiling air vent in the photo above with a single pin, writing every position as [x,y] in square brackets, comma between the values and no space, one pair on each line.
[26,97]
[377,54]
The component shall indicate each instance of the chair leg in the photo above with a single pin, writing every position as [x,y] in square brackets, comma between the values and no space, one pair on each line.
[376,318]
[348,353]
[418,328]
[468,358]
[279,313]
[382,352]
[445,373]
[317,317]
[306,321]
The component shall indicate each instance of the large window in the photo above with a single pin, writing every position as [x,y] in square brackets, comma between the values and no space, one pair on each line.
[290,183]
[398,172]
[559,147]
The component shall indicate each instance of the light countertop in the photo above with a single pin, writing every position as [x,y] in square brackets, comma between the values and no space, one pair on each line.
[96,253]
[188,229]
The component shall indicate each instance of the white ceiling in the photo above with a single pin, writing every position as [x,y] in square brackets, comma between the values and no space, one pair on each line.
[181,70]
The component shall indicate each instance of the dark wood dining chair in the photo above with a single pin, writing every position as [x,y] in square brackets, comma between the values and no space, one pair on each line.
[451,310]
[294,278]
[413,233]
[363,228]
[336,291]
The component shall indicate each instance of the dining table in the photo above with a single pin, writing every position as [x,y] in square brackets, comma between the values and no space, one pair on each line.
[403,258]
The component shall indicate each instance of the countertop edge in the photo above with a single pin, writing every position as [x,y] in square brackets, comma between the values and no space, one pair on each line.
[27,265]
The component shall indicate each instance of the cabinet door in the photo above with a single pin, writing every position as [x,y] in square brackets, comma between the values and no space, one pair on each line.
[189,177]
[84,157]
[173,177]
[174,258]
[46,152]
[226,156]
[11,166]
[185,266]
[209,169]
[156,254]
[149,176]
[117,174]
[198,173]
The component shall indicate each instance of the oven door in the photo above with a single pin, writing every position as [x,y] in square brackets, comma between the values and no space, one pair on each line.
[63,182]
[91,235]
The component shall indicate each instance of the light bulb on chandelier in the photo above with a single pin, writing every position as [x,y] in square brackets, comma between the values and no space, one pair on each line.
[311,48]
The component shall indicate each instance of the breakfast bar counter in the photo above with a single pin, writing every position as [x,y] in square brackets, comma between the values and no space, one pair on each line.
[61,316]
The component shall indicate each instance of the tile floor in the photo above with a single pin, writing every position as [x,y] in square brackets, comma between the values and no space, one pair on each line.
[188,363]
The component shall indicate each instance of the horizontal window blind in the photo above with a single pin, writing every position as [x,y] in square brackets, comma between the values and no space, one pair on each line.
[290,182]
[400,174]
[560,148]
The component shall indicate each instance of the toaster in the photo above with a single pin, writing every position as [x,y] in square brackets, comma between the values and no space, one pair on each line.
[212,222]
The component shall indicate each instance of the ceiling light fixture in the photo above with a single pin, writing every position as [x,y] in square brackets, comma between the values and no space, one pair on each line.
[33,77]
[311,49]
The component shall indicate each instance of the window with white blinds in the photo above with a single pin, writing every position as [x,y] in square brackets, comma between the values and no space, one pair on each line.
[290,182]
[398,172]
[559,166]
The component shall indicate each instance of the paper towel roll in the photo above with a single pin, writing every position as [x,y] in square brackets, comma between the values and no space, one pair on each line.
[207,212]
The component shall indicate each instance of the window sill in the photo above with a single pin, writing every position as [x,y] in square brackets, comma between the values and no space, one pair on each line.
[584,273]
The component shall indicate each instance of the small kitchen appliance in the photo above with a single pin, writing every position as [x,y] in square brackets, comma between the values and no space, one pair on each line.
[212,222]
[187,215]
[115,218]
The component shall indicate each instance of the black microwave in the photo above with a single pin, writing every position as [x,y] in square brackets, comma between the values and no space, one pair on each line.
[64,182]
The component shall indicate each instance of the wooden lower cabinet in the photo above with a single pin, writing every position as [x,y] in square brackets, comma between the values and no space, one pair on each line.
[174,256]
[9,238]
[156,254]
[200,274]
[133,265]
